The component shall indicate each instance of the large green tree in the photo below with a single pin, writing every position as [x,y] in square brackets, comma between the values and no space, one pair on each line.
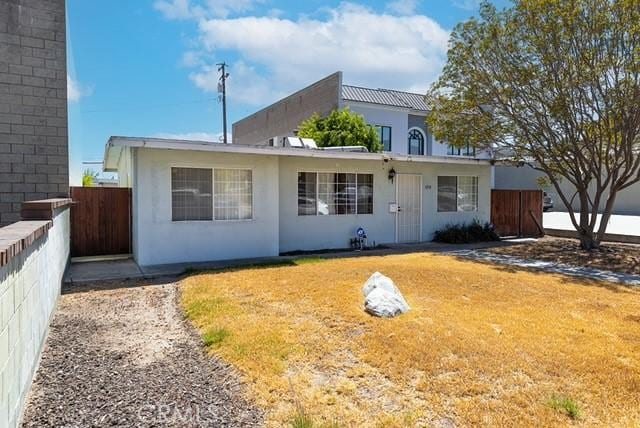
[554,84]
[341,128]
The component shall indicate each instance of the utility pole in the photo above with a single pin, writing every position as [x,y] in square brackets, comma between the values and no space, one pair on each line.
[222,89]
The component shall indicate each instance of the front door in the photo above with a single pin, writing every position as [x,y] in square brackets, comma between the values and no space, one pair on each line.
[409,214]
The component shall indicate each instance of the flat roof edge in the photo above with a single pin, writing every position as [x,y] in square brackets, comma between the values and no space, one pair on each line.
[172,144]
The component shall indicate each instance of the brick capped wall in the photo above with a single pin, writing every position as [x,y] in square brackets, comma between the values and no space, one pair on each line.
[34,157]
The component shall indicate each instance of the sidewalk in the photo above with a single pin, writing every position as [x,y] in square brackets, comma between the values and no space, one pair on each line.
[129,269]
[618,224]
[550,267]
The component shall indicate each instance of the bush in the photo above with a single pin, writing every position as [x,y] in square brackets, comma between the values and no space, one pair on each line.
[466,233]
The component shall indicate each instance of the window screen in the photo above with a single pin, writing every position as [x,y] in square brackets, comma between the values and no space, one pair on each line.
[327,193]
[467,193]
[345,194]
[307,193]
[365,193]
[337,193]
[191,194]
[447,190]
[233,194]
[457,193]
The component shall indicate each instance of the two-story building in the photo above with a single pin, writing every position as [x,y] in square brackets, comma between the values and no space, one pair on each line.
[398,116]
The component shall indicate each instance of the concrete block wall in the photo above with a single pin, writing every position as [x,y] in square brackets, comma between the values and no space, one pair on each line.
[34,160]
[30,284]
[283,117]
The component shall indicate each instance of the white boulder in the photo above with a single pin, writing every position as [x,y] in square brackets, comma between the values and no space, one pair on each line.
[382,297]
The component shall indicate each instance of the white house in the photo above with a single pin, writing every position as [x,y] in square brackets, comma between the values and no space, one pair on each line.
[197,201]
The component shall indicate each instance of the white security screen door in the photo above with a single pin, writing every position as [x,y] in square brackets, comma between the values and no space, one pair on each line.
[409,215]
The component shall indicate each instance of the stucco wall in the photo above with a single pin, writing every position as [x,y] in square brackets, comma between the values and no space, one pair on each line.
[283,117]
[159,240]
[334,231]
[416,121]
[394,118]
[29,289]
[511,177]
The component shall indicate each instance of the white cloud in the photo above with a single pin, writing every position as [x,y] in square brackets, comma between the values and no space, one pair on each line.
[75,90]
[194,136]
[403,7]
[177,9]
[245,85]
[224,8]
[280,55]
[192,59]
[184,9]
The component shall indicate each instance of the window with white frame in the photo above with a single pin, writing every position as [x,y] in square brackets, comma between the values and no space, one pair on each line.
[457,193]
[191,194]
[331,193]
[208,194]
[307,193]
[233,194]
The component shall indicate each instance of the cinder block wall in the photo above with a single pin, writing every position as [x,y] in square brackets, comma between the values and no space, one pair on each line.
[34,160]
[283,117]
[29,289]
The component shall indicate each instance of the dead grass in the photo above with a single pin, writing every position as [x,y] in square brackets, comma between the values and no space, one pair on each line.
[611,256]
[482,345]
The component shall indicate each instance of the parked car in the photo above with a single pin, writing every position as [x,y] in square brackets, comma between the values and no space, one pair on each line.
[547,202]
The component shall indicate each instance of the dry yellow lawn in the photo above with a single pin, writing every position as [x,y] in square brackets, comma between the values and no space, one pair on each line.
[482,345]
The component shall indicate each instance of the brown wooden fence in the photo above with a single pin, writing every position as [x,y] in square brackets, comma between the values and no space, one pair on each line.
[100,221]
[517,212]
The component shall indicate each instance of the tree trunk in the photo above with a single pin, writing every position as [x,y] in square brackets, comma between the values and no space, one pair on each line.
[588,239]
[588,242]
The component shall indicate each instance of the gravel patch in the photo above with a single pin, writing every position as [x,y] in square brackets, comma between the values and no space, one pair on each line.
[121,354]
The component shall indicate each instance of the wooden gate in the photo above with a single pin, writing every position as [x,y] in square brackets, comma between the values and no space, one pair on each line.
[517,212]
[100,221]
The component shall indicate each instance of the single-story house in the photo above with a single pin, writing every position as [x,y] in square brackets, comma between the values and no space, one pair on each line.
[199,201]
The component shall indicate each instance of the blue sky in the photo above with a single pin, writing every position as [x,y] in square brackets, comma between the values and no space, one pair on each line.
[147,67]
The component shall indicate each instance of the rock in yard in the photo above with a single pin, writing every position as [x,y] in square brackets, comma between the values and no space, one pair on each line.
[382,297]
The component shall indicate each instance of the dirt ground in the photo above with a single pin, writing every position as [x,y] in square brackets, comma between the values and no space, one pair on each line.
[611,256]
[121,354]
[483,345]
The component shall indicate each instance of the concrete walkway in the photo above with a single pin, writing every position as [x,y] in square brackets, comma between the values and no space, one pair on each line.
[583,272]
[129,269]
[103,270]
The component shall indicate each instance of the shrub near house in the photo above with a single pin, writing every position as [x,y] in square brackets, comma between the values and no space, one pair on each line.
[466,233]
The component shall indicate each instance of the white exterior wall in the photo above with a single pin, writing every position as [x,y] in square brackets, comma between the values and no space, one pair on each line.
[276,226]
[335,231]
[125,168]
[159,240]
[29,289]
[397,120]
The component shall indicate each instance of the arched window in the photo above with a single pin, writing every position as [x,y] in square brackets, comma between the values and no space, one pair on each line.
[416,142]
